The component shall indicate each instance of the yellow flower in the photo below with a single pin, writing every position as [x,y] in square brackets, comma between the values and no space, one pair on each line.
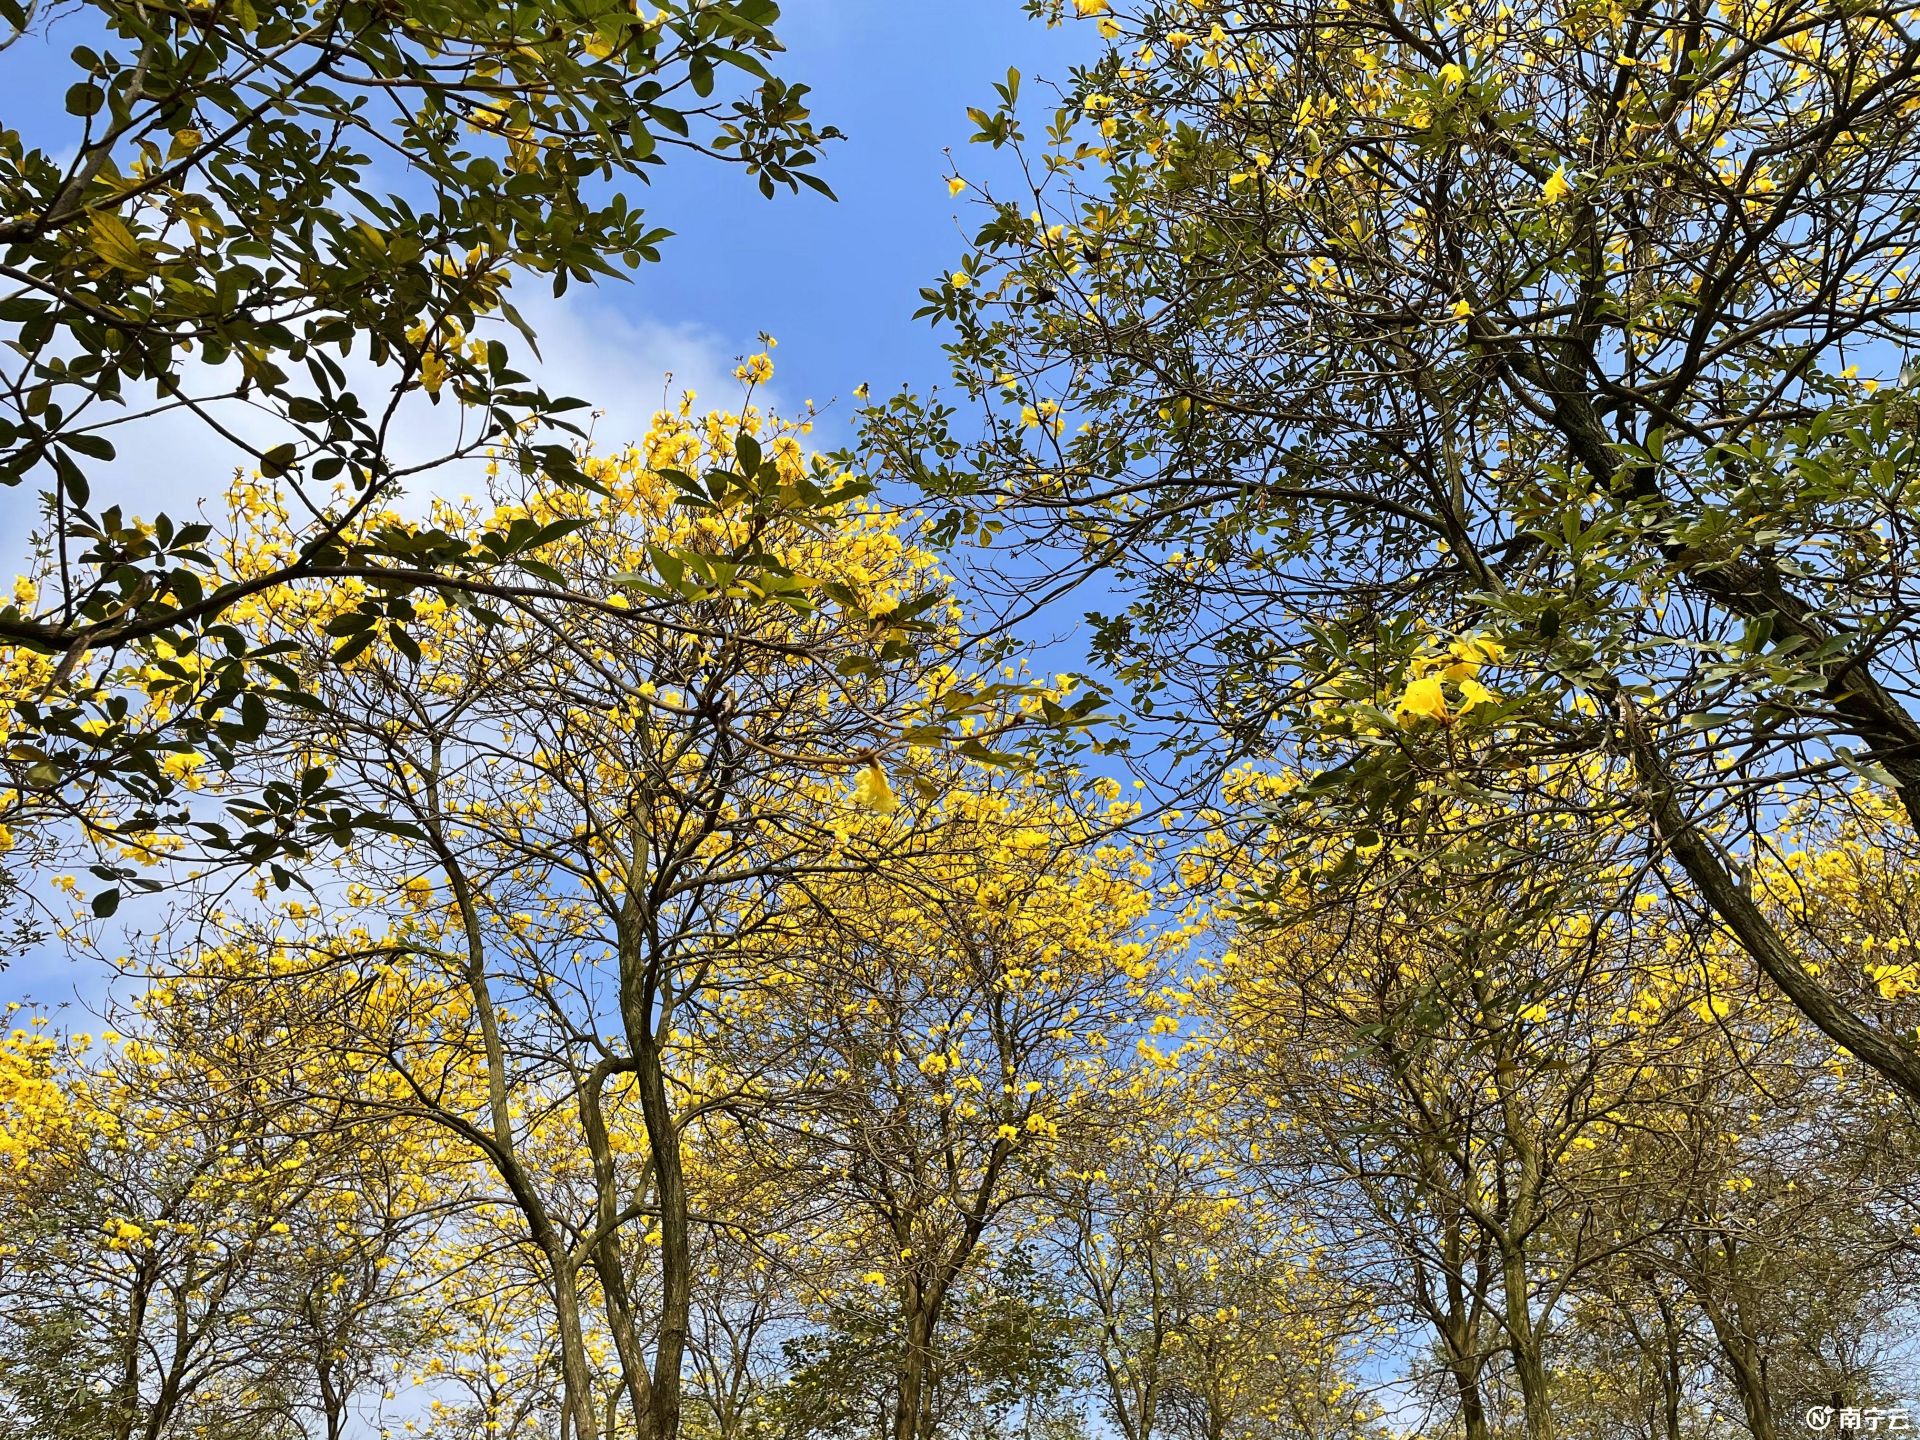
[1482,648]
[1466,658]
[1424,697]
[185,768]
[1558,187]
[960,279]
[955,185]
[873,1277]
[756,370]
[1473,693]
[1091,7]
[1452,75]
[872,792]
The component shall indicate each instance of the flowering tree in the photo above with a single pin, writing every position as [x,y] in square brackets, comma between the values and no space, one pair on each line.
[1457,389]
[290,226]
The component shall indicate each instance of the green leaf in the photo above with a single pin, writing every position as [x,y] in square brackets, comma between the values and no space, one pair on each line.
[353,647]
[747,450]
[113,242]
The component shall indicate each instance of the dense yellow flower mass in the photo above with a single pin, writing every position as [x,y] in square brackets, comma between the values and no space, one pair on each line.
[33,1108]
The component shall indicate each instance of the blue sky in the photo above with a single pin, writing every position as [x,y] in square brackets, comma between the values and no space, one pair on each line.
[835,283]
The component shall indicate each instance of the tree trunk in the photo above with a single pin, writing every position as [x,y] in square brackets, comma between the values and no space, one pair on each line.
[676,1285]
[1747,1367]
[1524,1347]
[913,1398]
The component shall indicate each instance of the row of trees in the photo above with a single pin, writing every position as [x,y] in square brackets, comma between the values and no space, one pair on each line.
[635,967]
[697,1054]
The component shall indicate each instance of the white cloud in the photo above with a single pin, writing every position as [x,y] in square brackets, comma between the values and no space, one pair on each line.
[619,364]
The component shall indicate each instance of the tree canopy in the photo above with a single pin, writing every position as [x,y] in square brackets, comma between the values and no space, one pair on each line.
[290,226]
[1466,394]
[650,940]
